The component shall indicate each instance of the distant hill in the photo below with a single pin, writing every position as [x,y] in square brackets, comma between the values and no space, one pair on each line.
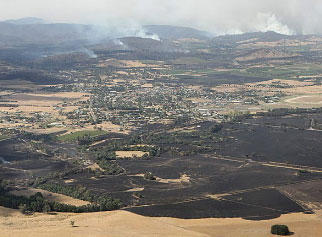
[37,32]
[139,44]
[26,21]
[12,34]
[136,43]
[269,36]
[30,38]
[176,32]
[254,36]
[264,54]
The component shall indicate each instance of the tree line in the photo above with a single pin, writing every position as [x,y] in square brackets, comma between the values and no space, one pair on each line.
[37,203]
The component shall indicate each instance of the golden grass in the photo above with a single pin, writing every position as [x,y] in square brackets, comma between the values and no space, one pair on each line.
[130,154]
[108,127]
[123,223]
[95,167]
[124,63]
[69,181]
[147,85]
[122,72]
[304,90]
[105,126]
[29,103]
[62,95]
[134,190]
[5,93]
[46,130]
[183,179]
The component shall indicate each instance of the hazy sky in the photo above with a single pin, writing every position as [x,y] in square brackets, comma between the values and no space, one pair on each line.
[217,16]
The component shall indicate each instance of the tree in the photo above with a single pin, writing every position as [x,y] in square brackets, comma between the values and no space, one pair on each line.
[46,208]
[280,230]
[216,128]
[72,223]
[149,176]
[23,208]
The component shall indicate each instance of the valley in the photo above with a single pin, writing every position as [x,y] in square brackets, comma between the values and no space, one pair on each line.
[185,130]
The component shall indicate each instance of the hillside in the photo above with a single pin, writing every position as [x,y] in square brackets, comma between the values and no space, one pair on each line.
[122,223]
[176,32]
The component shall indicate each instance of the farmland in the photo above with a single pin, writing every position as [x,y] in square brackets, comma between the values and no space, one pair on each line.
[213,130]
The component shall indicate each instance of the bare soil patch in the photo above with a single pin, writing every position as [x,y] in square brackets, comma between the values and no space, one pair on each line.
[130,154]
[94,167]
[183,179]
[314,99]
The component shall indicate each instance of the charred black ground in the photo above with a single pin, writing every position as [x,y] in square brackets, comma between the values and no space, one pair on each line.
[242,175]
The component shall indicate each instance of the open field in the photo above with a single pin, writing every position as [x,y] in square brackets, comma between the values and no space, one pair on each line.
[110,127]
[124,63]
[122,223]
[39,105]
[130,154]
[18,85]
[73,136]
[311,100]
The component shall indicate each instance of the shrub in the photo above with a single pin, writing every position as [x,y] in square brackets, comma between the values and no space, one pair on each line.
[72,223]
[280,230]
[149,176]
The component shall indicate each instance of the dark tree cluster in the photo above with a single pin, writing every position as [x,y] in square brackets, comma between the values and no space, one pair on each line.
[280,230]
[37,203]
[101,202]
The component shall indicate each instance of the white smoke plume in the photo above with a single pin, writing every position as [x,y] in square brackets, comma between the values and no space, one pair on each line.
[88,52]
[118,42]
[269,22]
[216,16]
[143,34]
[129,28]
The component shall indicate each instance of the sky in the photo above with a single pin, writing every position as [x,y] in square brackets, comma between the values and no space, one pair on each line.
[215,16]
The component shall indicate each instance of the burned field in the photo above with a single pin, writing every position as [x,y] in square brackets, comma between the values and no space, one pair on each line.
[20,160]
[15,149]
[289,139]
[255,168]
[166,129]
[215,188]
[249,206]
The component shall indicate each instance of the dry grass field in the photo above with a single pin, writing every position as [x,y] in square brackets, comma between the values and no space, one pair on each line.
[130,154]
[105,126]
[122,223]
[183,179]
[297,94]
[94,167]
[307,99]
[123,63]
[31,103]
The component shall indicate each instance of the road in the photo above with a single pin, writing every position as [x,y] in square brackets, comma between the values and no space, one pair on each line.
[268,163]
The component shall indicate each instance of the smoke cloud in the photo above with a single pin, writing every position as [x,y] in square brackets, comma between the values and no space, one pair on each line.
[216,16]
[88,52]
